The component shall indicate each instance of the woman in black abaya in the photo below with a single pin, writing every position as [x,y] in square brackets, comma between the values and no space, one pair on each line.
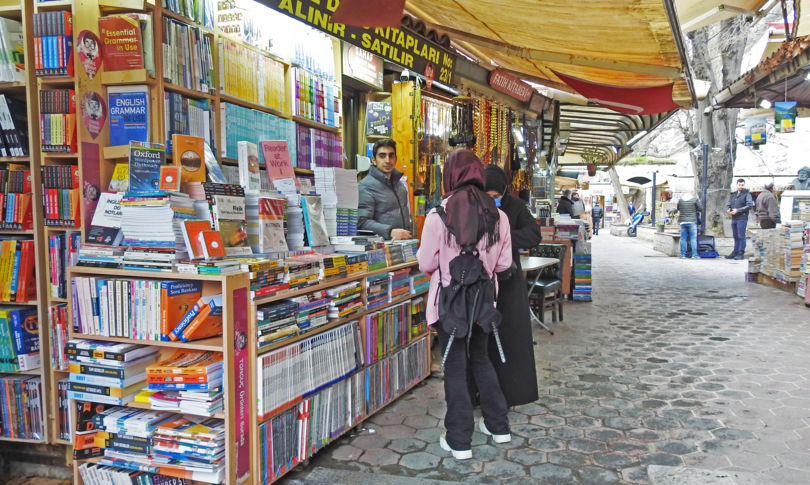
[517,377]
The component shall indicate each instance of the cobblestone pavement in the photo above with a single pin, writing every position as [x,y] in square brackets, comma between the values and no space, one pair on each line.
[675,362]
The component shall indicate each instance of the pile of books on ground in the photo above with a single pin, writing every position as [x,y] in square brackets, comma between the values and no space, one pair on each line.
[151,223]
[107,372]
[582,277]
[377,293]
[794,249]
[419,282]
[19,339]
[190,381]
[346,300]
[400,283]
[21,403]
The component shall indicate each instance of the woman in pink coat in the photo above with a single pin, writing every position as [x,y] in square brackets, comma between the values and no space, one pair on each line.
[472,218]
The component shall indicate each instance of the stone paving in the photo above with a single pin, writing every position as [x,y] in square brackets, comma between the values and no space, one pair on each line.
[674,363]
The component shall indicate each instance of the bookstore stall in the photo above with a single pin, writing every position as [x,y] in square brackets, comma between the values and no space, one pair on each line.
[183,291]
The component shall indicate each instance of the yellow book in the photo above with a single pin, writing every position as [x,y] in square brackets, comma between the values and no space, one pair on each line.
[143,396]
[120,178]
[4,261]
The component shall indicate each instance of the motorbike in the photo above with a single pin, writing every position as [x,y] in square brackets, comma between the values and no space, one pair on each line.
[635,221]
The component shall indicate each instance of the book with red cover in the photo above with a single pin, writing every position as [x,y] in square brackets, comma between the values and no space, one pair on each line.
[191,233]
[213,248]
[121,46]
[169,178]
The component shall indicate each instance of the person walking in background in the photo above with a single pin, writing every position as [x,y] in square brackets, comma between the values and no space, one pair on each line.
[517,376]
[739,204]
[565,205]
[767,208]
[596,214]
[472,219]
[688,208]
[577,206]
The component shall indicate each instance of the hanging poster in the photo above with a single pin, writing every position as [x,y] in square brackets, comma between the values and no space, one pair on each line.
[785,116]
[94,112]
[755,131]
[89,53]
[378,118]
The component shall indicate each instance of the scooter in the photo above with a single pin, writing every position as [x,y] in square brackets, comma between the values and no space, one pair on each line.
[635,221]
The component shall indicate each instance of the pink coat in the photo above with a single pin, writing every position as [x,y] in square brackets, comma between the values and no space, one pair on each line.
[434,251]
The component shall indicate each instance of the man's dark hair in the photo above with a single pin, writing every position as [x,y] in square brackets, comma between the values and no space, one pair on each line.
[383,143]
[740,180]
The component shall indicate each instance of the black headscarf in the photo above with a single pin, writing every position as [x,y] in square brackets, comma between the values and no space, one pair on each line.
[471,213]
[496,179]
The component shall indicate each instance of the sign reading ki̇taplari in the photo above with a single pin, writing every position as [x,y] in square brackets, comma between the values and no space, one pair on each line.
[399,46]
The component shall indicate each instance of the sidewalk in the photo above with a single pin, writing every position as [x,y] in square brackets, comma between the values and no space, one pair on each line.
[675,363]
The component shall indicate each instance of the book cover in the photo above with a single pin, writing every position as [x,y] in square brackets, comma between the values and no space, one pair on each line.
[105,227]
[120,178]
[170,178]
[191,232]
[25,330]
[189,153]
[176,298]
[213,247]
[277,160]
[207,323]
[129,114]
[188,362]
[249,175]
[121,46]
[145,161]
[378,118]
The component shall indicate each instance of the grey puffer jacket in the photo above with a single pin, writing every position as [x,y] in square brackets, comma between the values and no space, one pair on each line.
[688,209]
[383,203]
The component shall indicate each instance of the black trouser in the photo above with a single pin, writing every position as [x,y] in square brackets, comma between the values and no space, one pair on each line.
[766,223]
[459,420]
[596,222]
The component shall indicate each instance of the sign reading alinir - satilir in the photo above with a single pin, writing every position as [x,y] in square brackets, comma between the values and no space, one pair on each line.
[399,46]
[508,84]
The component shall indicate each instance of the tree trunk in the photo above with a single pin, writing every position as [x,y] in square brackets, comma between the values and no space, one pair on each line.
[617,189]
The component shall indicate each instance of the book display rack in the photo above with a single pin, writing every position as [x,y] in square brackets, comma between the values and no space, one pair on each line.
[75,90]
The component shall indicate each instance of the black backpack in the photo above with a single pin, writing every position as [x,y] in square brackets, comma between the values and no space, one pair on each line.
[469,299]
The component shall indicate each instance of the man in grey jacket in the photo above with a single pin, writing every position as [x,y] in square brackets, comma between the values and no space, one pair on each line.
[383,206]
[767,208]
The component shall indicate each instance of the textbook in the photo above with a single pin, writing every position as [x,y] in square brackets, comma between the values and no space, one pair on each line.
[189,317]
[145,162]
[105,228]
[120,178]
[188,362]
[121,43]
[189,153]
[176,298]
[107,381]
[129,115]
[207,323]
[249,176]
[132,369]
[107,350]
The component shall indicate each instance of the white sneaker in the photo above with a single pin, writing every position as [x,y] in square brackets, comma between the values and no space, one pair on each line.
[497,438]
[458,455]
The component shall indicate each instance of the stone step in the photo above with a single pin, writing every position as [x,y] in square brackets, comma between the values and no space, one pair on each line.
[672,475]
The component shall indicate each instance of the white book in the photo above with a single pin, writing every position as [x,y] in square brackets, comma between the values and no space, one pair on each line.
[249,175]
[94,300]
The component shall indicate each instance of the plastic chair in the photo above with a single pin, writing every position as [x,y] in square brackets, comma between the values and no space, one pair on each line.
[549,283]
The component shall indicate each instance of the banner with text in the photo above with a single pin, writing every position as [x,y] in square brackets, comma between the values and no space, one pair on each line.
[399,46]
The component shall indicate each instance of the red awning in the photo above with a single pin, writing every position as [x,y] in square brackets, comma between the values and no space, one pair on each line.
[633,100]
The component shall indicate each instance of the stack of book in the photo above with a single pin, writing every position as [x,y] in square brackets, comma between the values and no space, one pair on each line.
[409,249]
[419,282]
[302,272]
[393,254]
[582,277]
[65,417]
[250,75]
[119,471]
[190,51]
[153,236]
[267,276]
[334,267]
[53,44]
[21,408]
[338,189]
[356,244]
[58,326]
[295,214]
[15,198]
[356,263]
[315,98]
[346,300]
[100,256]
[222,267]
[184,374]
[58,120]
[794,249]
[192,447]
[19,339]
[136,309]
[312,310]
[17,279]
[61,193]
[107,372]
[377,293]
[276,321]
[387,331]
[400,283]
[63,252]
[202,320]
[266,223]
[12,65]
[226,213]
[243,124]
[186,116]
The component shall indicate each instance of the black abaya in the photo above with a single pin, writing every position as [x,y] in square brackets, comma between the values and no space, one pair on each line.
[518,376]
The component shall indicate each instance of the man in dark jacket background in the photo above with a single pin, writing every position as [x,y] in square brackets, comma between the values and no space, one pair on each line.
[596,214]
[383,204]
[565,205]
[767,208]
[739,204]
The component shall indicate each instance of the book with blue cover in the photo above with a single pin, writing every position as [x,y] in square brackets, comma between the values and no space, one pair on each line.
[129,114]
[25,328]
[145,160]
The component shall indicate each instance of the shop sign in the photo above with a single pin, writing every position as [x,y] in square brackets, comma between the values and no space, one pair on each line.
[537,104]
[506,83]
[400,46]
[362,65]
